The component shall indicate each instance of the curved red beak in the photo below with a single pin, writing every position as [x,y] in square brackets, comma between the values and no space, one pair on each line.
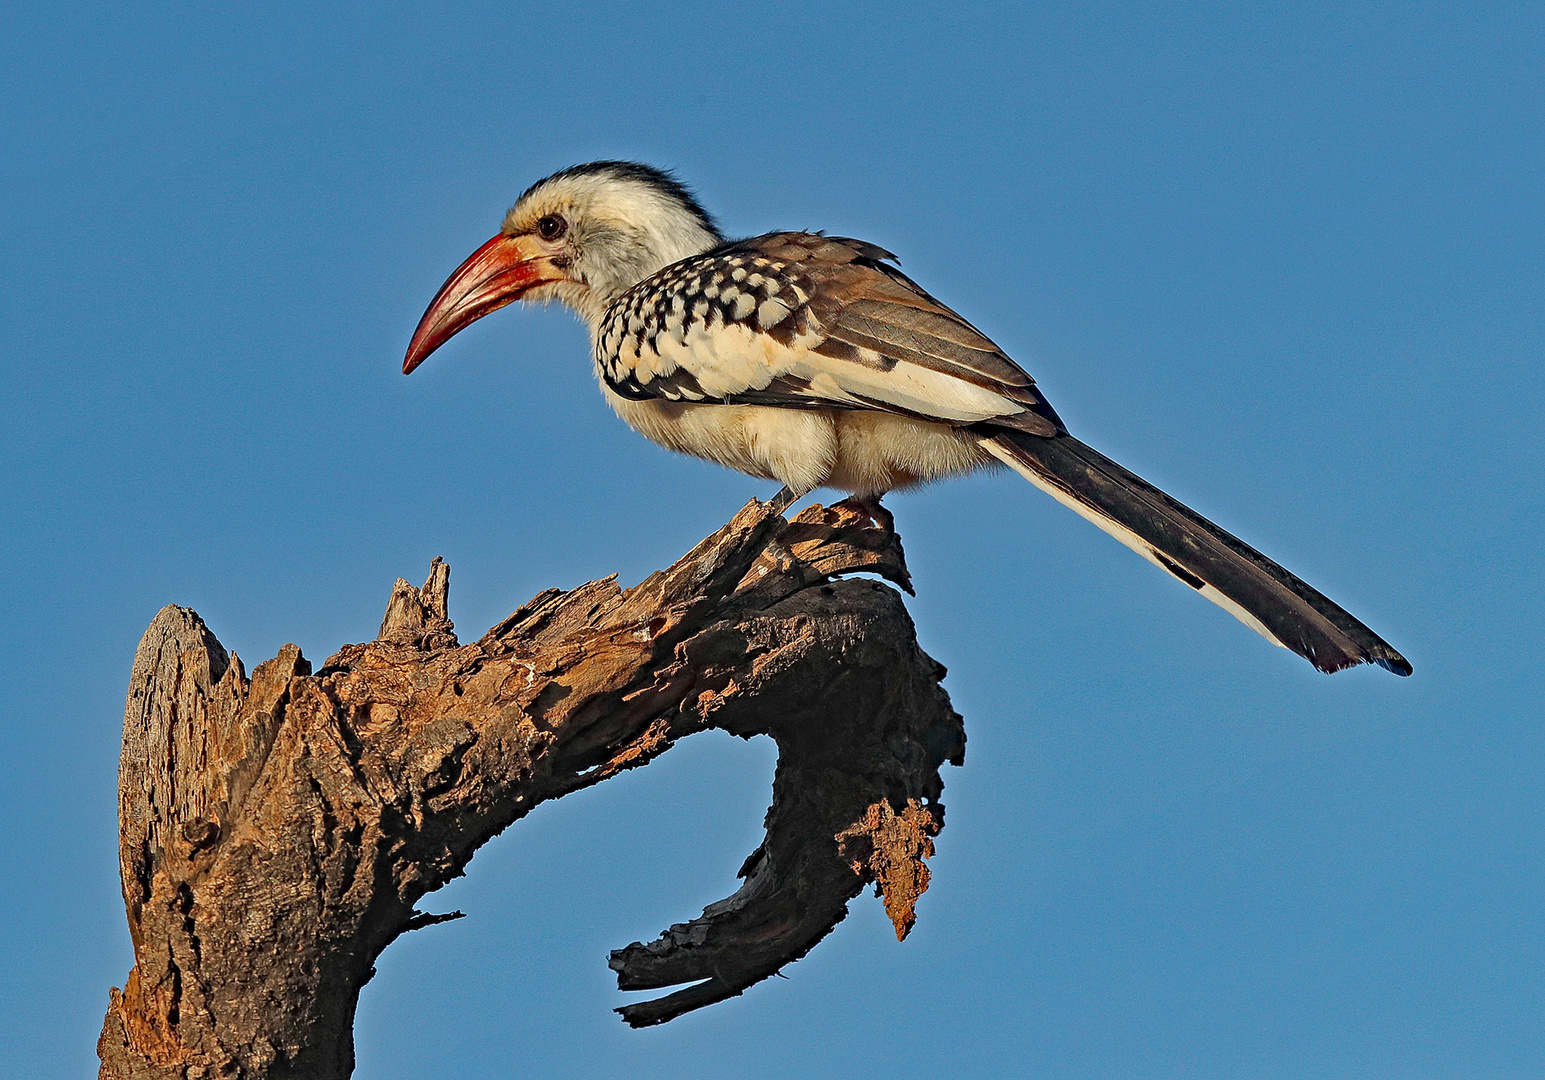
[499,272]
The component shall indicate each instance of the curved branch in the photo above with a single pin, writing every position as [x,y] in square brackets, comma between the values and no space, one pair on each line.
[277,831]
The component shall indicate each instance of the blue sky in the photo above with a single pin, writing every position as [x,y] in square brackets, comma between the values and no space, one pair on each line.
[1283,260]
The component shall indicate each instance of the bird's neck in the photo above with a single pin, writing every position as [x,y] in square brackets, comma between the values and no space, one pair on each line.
[621,257]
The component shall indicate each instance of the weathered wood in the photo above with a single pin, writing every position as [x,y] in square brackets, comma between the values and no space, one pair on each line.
[277,831]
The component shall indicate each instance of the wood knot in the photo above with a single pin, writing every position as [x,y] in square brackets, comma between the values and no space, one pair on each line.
[201,833]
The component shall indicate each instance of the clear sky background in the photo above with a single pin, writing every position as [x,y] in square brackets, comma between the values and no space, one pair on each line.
[1285,260]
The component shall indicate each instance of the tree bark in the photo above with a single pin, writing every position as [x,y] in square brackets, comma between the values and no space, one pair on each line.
[278,831]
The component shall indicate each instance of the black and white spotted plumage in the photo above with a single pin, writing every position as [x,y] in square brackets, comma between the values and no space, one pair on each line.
[806,321]
[814,361]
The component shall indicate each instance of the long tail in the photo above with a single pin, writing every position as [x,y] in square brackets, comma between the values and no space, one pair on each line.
[1223,568]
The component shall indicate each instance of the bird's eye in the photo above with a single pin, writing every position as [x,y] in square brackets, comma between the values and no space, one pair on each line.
[551,226]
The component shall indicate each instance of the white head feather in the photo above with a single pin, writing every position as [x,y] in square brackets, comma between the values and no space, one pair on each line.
[625,222]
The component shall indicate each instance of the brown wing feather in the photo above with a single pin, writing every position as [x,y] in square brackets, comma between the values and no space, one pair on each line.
[861,302]
[837,291]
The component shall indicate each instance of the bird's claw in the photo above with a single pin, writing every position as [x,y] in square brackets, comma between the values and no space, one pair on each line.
[783,500]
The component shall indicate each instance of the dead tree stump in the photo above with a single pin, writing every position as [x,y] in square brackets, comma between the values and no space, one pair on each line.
[278,831]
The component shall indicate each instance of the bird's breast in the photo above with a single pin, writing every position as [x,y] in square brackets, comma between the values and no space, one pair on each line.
[796,447]
[852,450]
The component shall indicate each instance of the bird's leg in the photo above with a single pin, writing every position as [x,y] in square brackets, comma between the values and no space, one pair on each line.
[869,506]
[783,500]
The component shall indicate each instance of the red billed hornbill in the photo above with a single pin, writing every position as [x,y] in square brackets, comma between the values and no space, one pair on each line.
[812,360]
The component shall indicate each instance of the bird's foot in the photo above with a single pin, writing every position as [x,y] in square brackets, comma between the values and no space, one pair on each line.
[869,506]
[783,500]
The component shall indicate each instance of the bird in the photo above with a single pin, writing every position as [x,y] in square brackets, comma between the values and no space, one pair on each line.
[813,361]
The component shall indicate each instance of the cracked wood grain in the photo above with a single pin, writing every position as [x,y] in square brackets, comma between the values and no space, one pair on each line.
[278,830]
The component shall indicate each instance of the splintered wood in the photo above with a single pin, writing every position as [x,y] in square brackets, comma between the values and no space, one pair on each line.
[277,831]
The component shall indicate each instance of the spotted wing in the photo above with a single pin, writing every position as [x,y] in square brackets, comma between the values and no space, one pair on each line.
[799,320]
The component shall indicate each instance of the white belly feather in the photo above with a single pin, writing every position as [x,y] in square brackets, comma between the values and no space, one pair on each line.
[864,452]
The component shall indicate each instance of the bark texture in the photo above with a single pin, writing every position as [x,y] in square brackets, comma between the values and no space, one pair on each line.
[277,831]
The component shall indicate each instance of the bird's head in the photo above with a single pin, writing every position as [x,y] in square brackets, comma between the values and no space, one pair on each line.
[582,237]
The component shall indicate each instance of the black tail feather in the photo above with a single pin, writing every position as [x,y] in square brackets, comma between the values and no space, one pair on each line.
[1225,569]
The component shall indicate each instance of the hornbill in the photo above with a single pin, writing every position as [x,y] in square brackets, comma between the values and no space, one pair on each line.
[812,360]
